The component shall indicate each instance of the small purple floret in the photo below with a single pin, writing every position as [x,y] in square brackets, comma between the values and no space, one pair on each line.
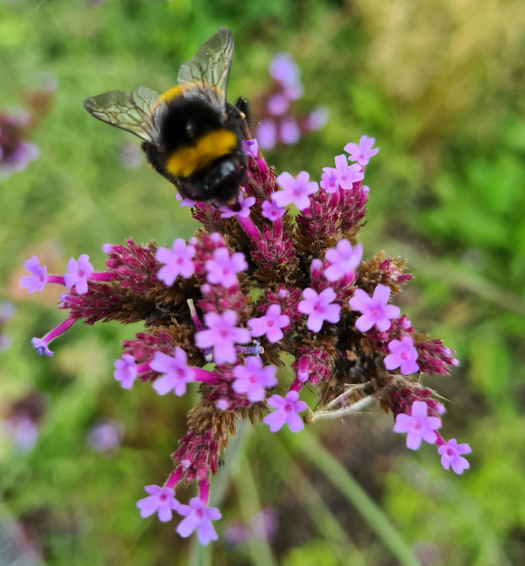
[223,268]
[185,201]
[41,346]
[177,261]
[287,410]
[348,175]
[125,371]
[362,152]
[284,69]
[250,148]
[344,260]
[267,134]
[450,455]
[176,372]
[244,204]
[78,274]
[295,190]
[319,308]
[270,324]
[330,179]
[252,379]
[37,280]
[199,517]
[161,500]
[289,131]
[277,104]
[418,425]
[375,309]
[403,355]
[271,211]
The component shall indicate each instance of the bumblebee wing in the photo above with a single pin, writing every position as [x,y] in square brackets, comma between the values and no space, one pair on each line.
[130,111]
[209,69]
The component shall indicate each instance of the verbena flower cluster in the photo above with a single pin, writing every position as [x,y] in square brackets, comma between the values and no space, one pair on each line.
[279,124]
[317,300]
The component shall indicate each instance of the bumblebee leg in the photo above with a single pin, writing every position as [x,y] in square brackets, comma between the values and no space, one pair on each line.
[242,110]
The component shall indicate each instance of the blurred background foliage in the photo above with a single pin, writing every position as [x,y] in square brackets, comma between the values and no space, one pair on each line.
[440,85]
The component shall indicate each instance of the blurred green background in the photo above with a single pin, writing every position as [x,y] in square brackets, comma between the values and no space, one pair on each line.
[440,86]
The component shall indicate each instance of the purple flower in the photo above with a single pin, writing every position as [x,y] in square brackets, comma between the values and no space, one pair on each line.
[317,118]
[222,335]
[348,175]
[105,436]
[277,104]
[450,455]
[271,211]
[125,371]
[344,260]
[22,431]
[287,410]
[252,378]
[319,308]
[244,204]
[223,268]
[176,372]
[78,274]
[284,69]
[199,517]
[295,191]
[185,201]
[418,425]
[270,324]
[7,311]
[294,92]
[18,159]
[289,131]
[330,179]
[162,500]
[37,280]
[41,346]
[403,355]
[267,134]
[362,152]
[375,309]
[177,261]
[251,148]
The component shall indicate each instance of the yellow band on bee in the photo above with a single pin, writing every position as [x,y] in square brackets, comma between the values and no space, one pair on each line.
[186,160]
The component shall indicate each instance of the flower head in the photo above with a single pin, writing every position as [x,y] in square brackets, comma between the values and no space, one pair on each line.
[319,308]
[252,379]
[450,455]
[222,335]
[177,261]
[78,274]
[161,500]
[176,372]
[418,425]
[295,190]
[223,268]
[375,309]
[199,517]
[403,355]
[362,152]
[271,211]
[125,371]
[270,324]
[287,410]
[37,280]
[344,260]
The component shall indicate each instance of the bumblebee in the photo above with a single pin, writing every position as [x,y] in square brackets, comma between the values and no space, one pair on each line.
[190,134]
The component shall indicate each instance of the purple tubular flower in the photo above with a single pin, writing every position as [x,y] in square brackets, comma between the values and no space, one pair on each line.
[105,436]
[185,201]
[78,274]
[37,280]
[344,260]
[450,455]
[418,425]
[176,372]
[267,134]
[349,175]
[319,308]
[125,371]
[177,261]
[41,344]
[287,410]
[403,355]
[375,309]
[330,179]
[250,148]
[271,211]
[245,203]
[318,118]
[289,131]
[223,268]
[284,69]
[222,335]
[161,500]
[252,379]
[362,152]
[270,324]
[199,517]
[295,190]
[278,104]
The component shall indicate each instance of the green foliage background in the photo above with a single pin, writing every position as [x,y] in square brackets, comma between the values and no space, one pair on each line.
[440,85]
